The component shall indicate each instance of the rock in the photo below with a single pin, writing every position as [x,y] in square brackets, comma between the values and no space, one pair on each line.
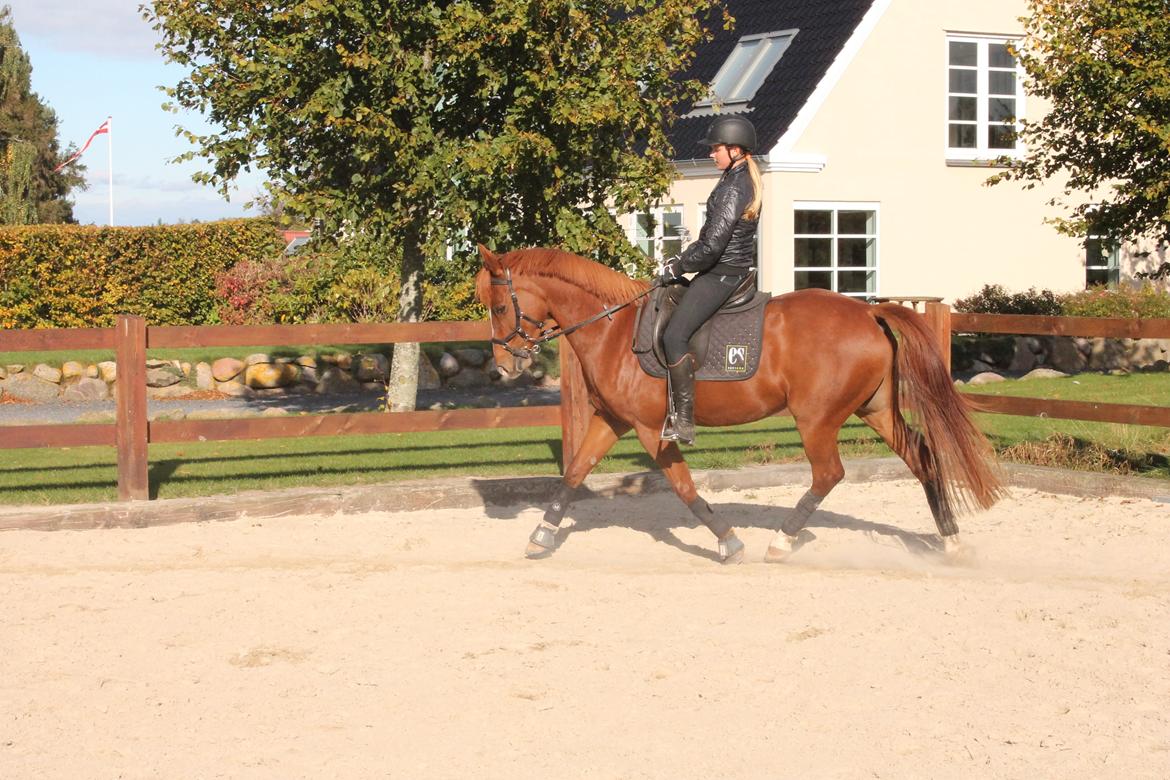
[154,363]
[985,378]
[274,411]
[163,376]
[1065,356]
[343,360]
[167,391]
[87,389]
[309,374]
[30,388]
[981,366]
[14,368]
[170,414]
[256,358]
[306,361]
[468,379]
[1023,356]
[335,380]
[268,375]
[469,356]
[204,378]
[1158,365]
[448,365]
[47,373]
[234,388]
[428,377]
[372,368]
[108,371]
[3,374]
[1106,354]
[1043,373]
[92,372]
[226,369]
[72,369]
[185,368]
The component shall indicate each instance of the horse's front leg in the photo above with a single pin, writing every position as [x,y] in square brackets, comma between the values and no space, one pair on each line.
[668,457]
[600,437]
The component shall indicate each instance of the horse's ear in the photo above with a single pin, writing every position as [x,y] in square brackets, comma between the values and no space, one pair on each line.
[491,261]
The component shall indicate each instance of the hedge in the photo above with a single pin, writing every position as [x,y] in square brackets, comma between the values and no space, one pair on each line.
[72,276]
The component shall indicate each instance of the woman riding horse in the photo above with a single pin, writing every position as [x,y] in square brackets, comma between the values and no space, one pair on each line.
[724,254]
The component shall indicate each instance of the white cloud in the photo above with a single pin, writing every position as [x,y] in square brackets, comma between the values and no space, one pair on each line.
[106,27]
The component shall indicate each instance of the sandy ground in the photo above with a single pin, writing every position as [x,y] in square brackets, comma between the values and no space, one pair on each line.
[420,645]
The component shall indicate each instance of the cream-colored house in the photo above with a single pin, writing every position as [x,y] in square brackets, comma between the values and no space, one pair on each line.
[877,122]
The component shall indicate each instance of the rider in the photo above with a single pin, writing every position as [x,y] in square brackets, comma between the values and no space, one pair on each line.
[723,255]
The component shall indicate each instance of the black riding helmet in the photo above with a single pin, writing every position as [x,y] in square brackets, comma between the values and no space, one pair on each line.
[731,131]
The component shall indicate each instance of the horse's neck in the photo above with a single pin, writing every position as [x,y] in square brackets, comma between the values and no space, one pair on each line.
[598,339]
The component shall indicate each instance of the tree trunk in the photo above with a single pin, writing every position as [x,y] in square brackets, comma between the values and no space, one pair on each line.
[402,389]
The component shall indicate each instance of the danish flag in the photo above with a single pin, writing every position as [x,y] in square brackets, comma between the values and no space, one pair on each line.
[105,128]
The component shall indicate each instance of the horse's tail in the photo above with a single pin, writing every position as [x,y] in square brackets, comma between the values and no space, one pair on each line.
[957,459]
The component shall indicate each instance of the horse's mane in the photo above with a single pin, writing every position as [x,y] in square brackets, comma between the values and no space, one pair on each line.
[589,276]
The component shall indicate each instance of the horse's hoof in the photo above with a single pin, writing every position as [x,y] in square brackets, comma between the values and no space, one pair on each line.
[780,550]
[542,542]
[730,550]
[957,553]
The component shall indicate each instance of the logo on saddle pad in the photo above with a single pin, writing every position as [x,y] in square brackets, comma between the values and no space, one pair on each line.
[736,358]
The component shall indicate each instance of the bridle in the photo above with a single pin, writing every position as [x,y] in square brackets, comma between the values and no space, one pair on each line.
[532,343]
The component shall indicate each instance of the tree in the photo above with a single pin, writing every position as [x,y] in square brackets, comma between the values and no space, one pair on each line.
[428,123]
[30,190]
[1104,65]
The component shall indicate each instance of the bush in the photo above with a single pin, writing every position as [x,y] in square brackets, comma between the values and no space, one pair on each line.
[1145,302]
[994,299]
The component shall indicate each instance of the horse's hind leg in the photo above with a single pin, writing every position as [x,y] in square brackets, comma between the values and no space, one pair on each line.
[668,457]
[909,445]
[820,447]
[600,436]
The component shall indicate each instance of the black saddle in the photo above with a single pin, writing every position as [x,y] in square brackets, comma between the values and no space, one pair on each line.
[726,347]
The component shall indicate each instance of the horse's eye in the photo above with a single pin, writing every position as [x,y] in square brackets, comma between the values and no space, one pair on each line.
[498,309]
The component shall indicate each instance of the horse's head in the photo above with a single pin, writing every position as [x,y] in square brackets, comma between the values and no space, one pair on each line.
[516,313]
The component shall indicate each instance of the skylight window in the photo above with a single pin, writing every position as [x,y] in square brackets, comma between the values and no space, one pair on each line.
[749,64]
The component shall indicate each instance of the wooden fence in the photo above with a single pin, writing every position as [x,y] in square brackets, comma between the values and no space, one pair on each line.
[132,432]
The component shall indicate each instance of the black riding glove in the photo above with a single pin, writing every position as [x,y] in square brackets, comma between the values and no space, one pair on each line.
[671,271]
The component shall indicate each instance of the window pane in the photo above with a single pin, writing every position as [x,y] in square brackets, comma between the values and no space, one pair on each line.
[963,80]
[643,225]
[1000,82]
[963,53]
[813,222]
[855,281]
[813,252]
[963,109]
[1001,137]
[999,57]
[962,137]
[1094,276]
[856,222]
[856,252]
[807,279]
[1001,109]
[732,70]
[762,67]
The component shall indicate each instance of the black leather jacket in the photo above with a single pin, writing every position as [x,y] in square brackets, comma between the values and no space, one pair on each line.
[727,242]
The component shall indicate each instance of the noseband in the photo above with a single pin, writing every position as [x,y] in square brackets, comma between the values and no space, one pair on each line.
[532,343]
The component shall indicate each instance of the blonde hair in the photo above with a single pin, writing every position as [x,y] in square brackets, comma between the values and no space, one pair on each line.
[753,209]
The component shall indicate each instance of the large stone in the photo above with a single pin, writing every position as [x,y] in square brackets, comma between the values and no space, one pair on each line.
[1023,356]
[372,368]
[3,374]
[204,378]
[1066,356]
[92,372]
[108,371]
[87,389]
[226,369]
[30,388]
[235,388]
[428,377]
[163,376]
[14,368]
[448,365]
[167,391]
[334,380]
[1043,373]
[1107,354]
[471,356]
[306,361]
[257,358]
[985,378]
[47,373]
[471,378]
[268,375]
[72,369]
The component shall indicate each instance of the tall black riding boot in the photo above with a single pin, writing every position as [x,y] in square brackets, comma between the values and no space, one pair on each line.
[680,424]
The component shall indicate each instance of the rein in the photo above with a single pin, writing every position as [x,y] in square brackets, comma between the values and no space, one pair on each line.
[532,344]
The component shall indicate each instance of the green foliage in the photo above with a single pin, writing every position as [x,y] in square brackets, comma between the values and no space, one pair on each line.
[31,192]
[1103,67]
[73,276]
[1144,302]
[994,299]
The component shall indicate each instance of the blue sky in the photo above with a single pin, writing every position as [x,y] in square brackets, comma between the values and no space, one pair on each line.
[96,58]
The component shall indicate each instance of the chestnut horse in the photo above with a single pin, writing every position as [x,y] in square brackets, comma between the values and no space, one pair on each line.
[824,357]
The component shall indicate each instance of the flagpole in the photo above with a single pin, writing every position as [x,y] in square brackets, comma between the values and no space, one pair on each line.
[110,150]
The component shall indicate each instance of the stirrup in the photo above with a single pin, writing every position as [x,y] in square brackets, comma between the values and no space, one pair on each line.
[670,433]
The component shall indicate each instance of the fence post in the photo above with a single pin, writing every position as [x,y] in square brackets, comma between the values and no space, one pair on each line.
[130,429]
[938,319]
[575,407]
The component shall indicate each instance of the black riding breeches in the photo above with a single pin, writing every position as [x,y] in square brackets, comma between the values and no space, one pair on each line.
[707,292]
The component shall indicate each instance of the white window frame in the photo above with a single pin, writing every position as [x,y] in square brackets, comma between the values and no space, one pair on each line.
[659,213]
[1112,265]
[981,152]
[834,267]
[733,74]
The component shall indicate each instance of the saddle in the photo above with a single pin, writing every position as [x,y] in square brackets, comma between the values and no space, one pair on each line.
[726,347]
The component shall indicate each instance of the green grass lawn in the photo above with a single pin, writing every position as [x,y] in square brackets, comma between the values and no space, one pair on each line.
[83,474]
